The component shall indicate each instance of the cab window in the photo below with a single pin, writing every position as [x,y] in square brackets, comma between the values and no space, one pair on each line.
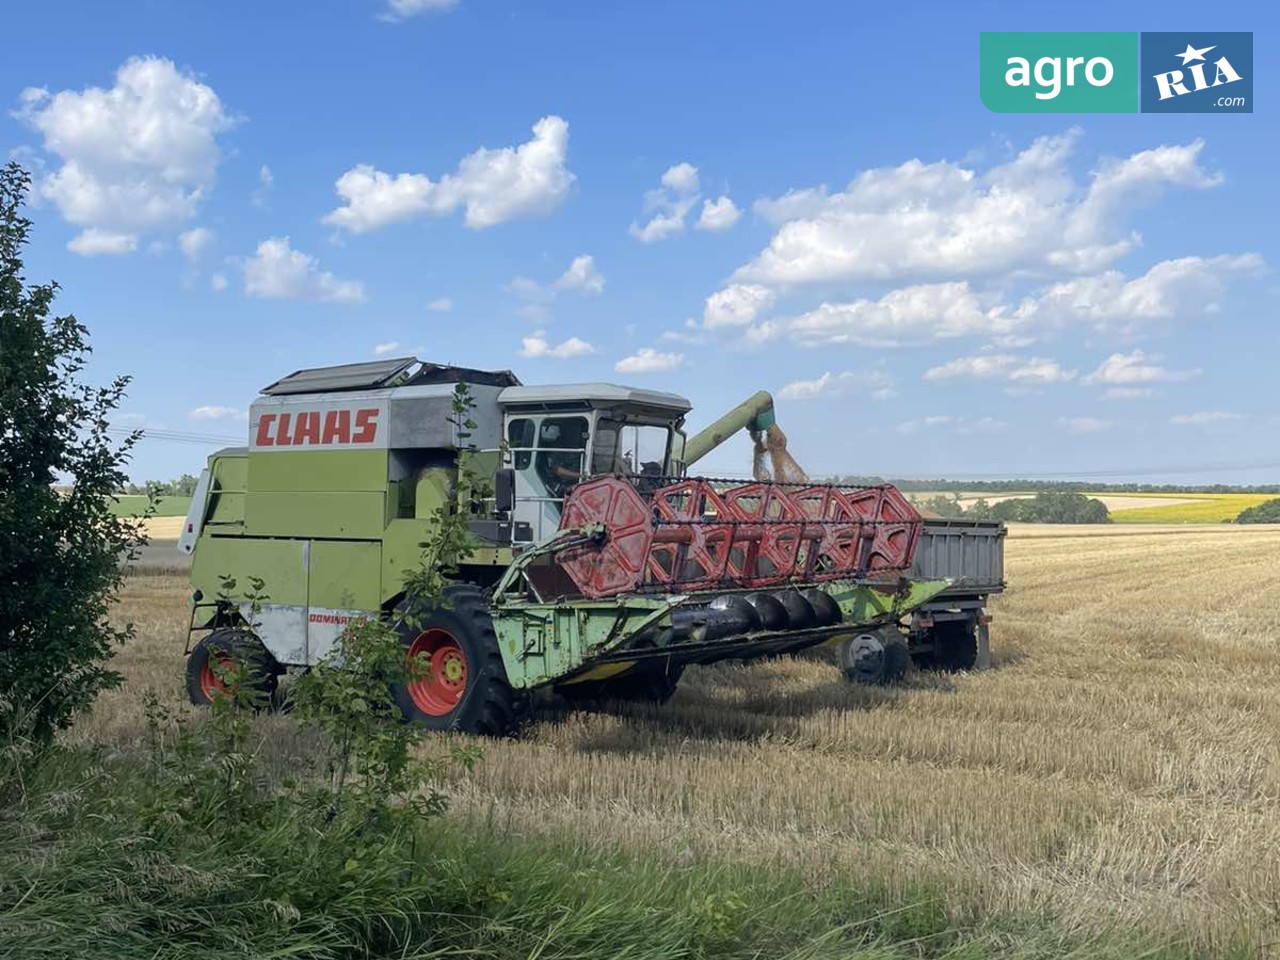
[606,449]
[630,449]
[520,434]
[561,452]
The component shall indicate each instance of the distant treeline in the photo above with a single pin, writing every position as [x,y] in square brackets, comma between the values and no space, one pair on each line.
[184,486]
[1047,506]
[1065,486]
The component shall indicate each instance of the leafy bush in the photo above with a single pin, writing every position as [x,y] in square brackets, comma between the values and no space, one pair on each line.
[1268,512]
[60,553]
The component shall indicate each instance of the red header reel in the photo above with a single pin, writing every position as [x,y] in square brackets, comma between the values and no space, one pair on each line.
[690,536]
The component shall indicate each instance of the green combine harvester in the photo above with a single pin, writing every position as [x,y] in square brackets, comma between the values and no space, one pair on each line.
[599,567]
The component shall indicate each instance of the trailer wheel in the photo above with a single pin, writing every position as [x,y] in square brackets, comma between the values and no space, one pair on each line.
[873,658]
[955,645]
[231,649]
[464,686]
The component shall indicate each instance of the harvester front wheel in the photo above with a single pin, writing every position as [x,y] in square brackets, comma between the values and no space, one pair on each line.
[874,658]
[459,681]
[227,659]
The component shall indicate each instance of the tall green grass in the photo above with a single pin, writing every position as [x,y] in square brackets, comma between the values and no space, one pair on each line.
[107,856]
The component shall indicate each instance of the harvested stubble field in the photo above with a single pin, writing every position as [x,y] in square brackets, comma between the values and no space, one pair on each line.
[1121,765]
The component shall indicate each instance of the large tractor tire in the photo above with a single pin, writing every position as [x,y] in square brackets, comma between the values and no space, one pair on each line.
[640,686]
[231,649]
[955,646]
[873,658]
[463,686]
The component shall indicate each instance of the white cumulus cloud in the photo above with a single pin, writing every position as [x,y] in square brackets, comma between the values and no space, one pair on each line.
[1001,366]
[137,157]
[669,204]
[1171,289]
[737,305]
[932,220]
[266,180]
[718,215]
[1136,369]
[536,345]
[649,360]
[277,271]
[1084,424]
[583,275]
[877,384]
[1204,418]
[398,10]
[382,349]
[440,305]
[490,186]
[918,314]
[93,242]
[194,242]
[216,413]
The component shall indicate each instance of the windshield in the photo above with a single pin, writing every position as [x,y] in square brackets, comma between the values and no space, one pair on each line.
[630,448]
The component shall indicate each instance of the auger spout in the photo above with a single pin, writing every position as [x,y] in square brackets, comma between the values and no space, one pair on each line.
[754,414]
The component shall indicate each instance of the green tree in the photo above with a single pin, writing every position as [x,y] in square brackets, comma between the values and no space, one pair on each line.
[60,553]
[1267,512]
[1049,506]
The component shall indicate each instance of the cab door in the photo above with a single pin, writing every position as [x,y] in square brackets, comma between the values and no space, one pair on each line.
[548,454]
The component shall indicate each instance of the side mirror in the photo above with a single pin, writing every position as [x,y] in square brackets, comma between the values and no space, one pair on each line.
[504,490]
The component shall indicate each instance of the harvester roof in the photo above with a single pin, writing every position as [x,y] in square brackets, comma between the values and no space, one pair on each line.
[562,395]
[381,374]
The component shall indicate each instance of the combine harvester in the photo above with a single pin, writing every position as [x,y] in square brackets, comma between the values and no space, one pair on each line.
[599,567]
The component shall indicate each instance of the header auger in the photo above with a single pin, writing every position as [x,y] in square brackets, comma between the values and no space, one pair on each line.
[599,568]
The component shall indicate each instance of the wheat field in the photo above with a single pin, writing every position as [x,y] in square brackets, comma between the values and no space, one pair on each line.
[1120,765]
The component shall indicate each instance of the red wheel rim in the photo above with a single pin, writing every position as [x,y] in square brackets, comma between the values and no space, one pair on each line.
[440,690]
[210,685]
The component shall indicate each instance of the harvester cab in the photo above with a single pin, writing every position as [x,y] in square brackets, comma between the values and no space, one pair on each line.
[557,436]
[600,567]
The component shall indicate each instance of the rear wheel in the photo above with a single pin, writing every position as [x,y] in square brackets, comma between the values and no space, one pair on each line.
[459,681]
[227,659]
[873,658]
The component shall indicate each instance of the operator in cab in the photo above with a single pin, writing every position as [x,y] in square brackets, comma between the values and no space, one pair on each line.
[561,466]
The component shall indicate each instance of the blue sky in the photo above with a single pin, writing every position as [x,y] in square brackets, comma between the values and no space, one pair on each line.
[706,197]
